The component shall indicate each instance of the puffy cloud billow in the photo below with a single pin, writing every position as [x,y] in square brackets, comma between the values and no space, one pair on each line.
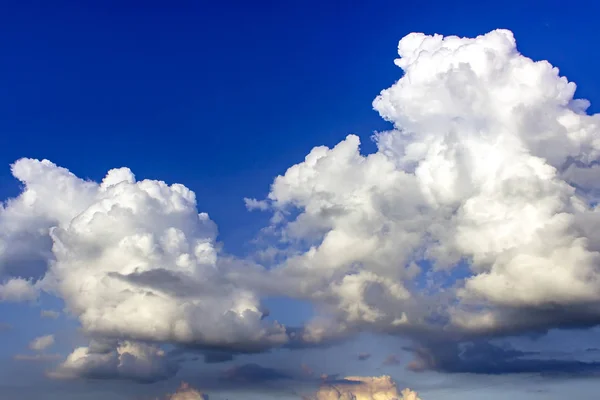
[132,261]
[363,388]
[42,343]
[123,360]
[476,217]
[477,214]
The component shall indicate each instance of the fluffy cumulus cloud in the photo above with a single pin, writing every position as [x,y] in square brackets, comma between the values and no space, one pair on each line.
[18,290]
[51,195]
[185,392]
[132,260]
[123,360]
[363,388]
[477,214]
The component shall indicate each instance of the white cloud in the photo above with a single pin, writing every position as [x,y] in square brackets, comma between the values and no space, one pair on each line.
[42,343]
[18,290]
[51,195]
[124,360]
[479,170]
[131,259]
[364,388]
[253,204]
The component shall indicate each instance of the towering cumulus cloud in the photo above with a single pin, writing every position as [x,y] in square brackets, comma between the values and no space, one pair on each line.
[476,215]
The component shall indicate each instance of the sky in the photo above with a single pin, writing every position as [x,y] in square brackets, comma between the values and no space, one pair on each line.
[262,199]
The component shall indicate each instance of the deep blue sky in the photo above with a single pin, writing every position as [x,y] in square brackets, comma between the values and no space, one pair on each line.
[223,96]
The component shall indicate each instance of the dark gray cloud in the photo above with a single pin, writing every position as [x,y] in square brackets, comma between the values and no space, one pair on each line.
[483,357]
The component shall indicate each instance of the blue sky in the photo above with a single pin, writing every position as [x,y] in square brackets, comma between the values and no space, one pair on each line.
[222,97]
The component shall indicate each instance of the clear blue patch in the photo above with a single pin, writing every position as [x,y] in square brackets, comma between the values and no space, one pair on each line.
[287,311]
[430,279]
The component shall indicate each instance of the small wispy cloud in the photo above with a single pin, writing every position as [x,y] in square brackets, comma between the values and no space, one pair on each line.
[41,343]
[392,359]
[49,314]
[253,204]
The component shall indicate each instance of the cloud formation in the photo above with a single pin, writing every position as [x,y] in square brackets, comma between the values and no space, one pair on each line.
[363,388]
[18,290]
[477,215]
[135,361]
[134,261]
[42,342]
[481,357]
[185,392]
